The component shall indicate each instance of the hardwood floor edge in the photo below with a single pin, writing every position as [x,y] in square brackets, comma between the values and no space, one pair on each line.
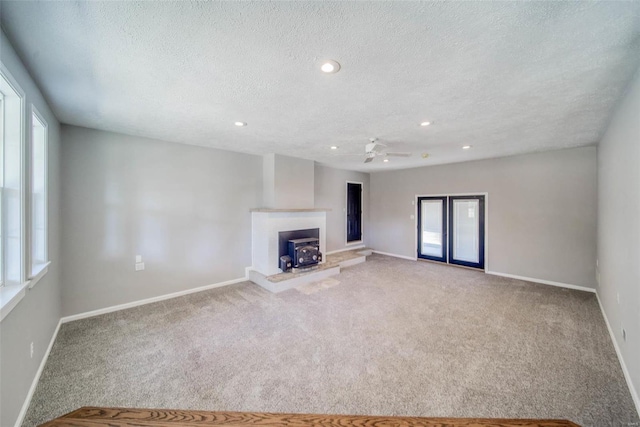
[120,416]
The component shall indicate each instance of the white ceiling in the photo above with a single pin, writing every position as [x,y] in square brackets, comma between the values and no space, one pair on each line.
[505,77]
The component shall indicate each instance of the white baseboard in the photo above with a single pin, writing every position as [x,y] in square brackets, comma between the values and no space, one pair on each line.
[34,383]
[544,282]
[625,371]
[149,300]
[396,255]
[345,249]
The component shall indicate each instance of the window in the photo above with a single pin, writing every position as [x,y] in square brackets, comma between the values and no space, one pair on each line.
[23,195]
[1,187]
[11,173]
[38,193]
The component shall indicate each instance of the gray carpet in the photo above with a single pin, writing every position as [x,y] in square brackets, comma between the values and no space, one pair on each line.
[393,337]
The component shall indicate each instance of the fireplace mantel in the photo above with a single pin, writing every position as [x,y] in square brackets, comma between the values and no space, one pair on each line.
[290,210]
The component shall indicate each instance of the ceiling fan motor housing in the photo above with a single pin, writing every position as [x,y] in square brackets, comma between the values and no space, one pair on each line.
[374,147]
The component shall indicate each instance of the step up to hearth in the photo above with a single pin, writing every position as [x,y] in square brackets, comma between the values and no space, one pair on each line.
[331,267]
[350,257]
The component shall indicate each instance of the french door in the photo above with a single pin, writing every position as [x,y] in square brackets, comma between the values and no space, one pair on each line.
[451,229]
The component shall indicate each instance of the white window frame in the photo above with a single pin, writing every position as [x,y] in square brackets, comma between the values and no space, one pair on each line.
[2,232]
[20,93]
[11,292]
[38,270]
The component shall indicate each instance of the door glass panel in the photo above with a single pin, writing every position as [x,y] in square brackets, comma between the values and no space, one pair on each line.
[466,230]
[431,219]
[354,212]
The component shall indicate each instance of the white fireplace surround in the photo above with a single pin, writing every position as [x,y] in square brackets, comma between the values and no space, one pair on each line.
[267,223]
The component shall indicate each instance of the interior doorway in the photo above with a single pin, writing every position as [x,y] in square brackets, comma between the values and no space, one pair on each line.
[451,229]
[354,212]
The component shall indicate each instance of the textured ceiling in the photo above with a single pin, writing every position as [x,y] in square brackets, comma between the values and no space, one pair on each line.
[505,77]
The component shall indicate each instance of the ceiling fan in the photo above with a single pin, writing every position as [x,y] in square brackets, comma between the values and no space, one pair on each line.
[374,149]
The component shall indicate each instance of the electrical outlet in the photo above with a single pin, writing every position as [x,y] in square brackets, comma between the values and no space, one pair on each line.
[139,266]
[32,349]
[412,217]
[138,258]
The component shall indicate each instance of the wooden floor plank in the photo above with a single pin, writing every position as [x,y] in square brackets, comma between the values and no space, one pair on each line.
[130,417]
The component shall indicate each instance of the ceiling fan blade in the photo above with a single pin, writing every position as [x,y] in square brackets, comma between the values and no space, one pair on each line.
[368,159]
[398,154]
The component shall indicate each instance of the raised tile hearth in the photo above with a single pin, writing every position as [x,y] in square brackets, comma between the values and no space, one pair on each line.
[333,263]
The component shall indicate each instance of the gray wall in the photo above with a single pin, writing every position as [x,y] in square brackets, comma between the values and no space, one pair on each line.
[35,318]
[185,209]
[541,207]
[619,227]
[331,192]
[269,181]
[287,182]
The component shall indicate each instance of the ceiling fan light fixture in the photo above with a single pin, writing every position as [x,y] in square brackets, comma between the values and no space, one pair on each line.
[375,148]
[330,66]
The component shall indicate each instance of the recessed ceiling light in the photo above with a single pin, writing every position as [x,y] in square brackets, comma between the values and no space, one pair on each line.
[240,124]
[385,160]
[334,147]
[466,147]
[330,66]
[425,124]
